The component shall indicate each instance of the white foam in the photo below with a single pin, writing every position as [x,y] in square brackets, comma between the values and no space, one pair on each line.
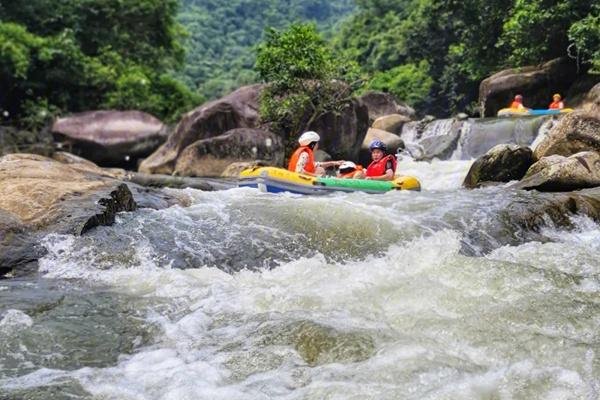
[15,320]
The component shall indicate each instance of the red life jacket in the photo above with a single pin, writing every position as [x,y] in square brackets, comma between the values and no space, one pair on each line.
[310,164]
[556,105]
[377,168]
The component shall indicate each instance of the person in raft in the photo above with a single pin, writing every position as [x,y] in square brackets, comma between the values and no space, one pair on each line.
[349,170]
[303,158]
[383,166]
[557,103]
[517,103]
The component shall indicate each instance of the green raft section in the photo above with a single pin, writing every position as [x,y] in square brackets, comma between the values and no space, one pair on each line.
[357,184]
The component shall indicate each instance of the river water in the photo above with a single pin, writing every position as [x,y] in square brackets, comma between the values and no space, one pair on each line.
[243,295]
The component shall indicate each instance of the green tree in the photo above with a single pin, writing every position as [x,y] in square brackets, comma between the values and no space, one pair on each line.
[76,55]
[304,79]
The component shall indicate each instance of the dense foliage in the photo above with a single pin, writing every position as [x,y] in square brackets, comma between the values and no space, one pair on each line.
[457,43]
[222,35]
[304,79]
[75,55]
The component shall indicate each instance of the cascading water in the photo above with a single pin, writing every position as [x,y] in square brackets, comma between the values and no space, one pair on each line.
[470,138]
[243,295]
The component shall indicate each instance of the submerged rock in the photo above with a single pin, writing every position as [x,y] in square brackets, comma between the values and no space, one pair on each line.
[111,138]
[210,157]
[236,110]
[503,163]
[575,132]
[560,174]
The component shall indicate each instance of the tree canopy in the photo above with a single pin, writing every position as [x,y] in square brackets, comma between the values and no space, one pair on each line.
[222,36]
[75,55]
[457,43]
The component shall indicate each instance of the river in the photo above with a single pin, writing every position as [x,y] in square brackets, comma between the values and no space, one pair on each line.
[243,295]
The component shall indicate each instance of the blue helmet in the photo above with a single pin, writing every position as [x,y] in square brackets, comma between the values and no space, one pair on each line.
[377,144]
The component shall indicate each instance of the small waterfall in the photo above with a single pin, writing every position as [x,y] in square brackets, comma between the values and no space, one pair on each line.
[466,139]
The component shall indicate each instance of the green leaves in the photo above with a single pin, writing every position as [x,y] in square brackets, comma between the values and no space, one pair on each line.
[76,55]
[304,79]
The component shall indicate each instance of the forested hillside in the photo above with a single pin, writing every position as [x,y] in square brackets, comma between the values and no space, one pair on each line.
[222,35]
[434,53]
[66,56]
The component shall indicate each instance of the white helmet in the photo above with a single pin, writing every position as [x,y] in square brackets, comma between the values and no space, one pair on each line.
[308,137]
[347,165]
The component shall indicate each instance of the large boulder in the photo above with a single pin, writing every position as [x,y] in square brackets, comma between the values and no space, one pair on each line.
[561,174]
[342,132]
[38,194]
[592,101]
[210,157]
[239,109]
[393,143]
[575,132]
[585,88]
[503,163]
[380,104]
[392,123]
[110,138]
[535,83]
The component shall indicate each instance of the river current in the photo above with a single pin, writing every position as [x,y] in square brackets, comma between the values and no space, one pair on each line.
[244,295]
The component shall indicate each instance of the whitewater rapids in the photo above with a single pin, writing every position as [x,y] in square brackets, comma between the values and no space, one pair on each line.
[244,295]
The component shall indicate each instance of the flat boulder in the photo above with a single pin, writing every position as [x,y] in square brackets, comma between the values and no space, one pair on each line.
[392,123]
[380,104]
[210,157]
[238,109]
[503,163]
[573,133]
[535,83]
[110,138]
[557,173]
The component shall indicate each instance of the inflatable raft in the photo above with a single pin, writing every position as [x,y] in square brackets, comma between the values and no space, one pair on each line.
[513,112]
[276,180]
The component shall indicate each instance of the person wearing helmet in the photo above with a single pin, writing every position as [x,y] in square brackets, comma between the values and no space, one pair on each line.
[557,103]
[517,103]
[349,170]
[383,166]
[303,158]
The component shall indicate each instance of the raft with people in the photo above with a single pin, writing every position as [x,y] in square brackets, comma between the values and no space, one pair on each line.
[513,112]
[277,180]
[304,175]
[517,109]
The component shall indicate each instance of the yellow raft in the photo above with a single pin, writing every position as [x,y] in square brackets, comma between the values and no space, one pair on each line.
[276,180]
[524,112]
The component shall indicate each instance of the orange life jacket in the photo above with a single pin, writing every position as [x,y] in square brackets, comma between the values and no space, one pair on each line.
[516,104]
[350,174]
[556,105]
[377,168]
[310,164]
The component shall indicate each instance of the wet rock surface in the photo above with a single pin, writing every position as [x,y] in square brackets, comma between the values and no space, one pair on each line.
[503,163]
[561,174]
